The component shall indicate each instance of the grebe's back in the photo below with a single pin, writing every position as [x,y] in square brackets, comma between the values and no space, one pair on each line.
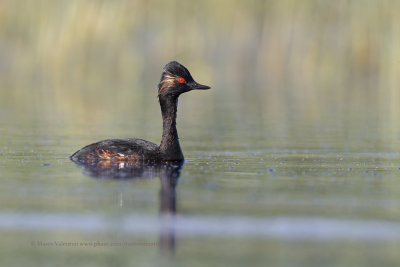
[129,149]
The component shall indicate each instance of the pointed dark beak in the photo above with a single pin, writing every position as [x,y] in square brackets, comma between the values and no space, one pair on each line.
[196,86]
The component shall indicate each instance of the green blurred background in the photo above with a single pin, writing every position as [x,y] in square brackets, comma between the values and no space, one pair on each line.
[319,62]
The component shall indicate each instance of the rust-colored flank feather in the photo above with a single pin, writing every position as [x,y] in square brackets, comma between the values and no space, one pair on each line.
[104,154]
[108,159]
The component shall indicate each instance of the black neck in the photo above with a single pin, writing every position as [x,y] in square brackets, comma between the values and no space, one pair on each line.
[169,147]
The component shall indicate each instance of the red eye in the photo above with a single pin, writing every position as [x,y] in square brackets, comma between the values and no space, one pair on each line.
[181,80]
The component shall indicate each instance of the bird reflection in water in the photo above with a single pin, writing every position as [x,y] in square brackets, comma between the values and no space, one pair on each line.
[168,172]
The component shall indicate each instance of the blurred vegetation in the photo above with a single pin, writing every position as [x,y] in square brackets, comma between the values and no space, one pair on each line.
[326,64]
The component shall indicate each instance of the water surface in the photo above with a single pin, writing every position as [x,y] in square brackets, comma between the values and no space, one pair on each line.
[234,197]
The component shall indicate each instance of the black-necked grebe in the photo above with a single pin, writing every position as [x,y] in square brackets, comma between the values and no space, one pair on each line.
[175,80]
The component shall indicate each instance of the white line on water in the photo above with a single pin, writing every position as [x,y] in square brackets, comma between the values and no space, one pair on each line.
[287,228]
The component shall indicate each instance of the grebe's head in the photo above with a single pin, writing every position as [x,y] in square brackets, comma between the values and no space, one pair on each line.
[176,79]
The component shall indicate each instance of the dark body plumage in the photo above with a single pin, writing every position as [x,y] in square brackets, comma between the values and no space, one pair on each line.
[118,149]
[175,80]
